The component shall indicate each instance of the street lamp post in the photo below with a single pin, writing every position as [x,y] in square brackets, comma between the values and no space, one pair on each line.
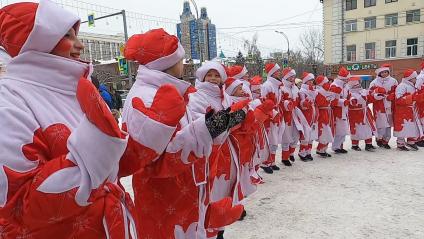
[198,30]
[288,44]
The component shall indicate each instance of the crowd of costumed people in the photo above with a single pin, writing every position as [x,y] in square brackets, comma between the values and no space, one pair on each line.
[195,153]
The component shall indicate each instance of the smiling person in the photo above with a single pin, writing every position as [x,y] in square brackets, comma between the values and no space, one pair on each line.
[60,147]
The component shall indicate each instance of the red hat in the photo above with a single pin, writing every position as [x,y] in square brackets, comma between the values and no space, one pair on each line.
[271,68]
[231,84]
[384,67]
[34,27]
[255,83]
[238,72]
[16,22]
[288,72]
[344,74]
[307,77]
[354,78]
[155,49]
[409,74]
[320,80]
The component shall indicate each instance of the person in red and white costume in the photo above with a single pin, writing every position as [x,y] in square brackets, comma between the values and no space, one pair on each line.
[169,145]
[262,152]
[60,145]
[295,122]
[221,165]
[340,110]
[274,126]
[407,126]
[361,120]
[241,73]
[324,100]
[382,89]
[307,94]
[420,105]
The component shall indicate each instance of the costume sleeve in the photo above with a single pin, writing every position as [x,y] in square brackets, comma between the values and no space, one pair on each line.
[51,173]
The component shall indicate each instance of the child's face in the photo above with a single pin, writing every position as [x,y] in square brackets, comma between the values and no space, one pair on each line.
[291,79]
[384,74]
[69,46]
[213,77]
[414,80]
[238,92]
[310,83]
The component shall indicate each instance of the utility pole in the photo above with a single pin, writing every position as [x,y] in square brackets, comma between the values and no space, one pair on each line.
[124,19]
[288,44]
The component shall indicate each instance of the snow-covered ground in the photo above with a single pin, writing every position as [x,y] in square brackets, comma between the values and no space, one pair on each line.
[358,195]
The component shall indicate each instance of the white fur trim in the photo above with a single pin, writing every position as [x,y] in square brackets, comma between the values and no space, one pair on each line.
[412,76]
[61,181]
[96,155]
[241,74]
[344,78]
[148,132]
[273,70]
[290,74]
[309,77]
[51,24]
[168,61]
[233,86]
[210,65]
[381,69]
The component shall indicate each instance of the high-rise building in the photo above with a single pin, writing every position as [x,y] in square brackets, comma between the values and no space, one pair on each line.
[194,32]
[363,34]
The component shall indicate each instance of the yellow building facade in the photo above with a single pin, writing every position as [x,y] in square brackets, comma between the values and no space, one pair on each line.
[362,34]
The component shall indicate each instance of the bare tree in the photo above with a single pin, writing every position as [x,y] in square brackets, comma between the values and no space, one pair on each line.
[312,42]
[253,59]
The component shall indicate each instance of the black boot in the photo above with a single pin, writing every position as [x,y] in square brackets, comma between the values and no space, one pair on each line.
[292,158]
[275,167]
[267,170]
[402,148]
[370,148]
[344,151]
[386,146]
[380,143]
[310,157]
[243,215]
[356,148]
[420,144]
[220,235]
[413,147]
[324,155]
[303,159]
[286,163]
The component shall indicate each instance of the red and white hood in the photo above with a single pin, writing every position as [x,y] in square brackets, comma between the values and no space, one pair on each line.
[51,24]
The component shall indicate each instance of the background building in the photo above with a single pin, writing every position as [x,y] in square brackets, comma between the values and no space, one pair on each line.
[191,31]
[363,34]
[100,47]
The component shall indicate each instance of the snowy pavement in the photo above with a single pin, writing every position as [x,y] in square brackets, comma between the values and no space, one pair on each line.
[358,195]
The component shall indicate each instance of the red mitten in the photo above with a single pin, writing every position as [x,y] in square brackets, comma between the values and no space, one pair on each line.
[391,97]
[249,120]
[267,106]
[380,90]
[346,102]
[239,105]
[222,213]
[168,106]
[96,110]
[271,96]
[336,90]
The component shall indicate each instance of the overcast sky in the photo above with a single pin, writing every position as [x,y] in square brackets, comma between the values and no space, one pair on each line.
[241,13]
[235,18]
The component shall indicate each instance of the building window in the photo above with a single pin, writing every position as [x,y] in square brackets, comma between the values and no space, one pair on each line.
[412,49]
[392,19]
[351,26]
[370,50]
[413,16]
[351,53]
[370,22]
[351,4]
[369,3]
[390,49]
[389,1]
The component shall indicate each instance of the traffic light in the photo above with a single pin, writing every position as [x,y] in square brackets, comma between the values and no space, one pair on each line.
[285,63]
[91,20]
